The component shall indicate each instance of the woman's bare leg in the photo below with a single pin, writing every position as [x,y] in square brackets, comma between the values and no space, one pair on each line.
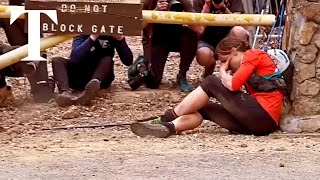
[184,117]
[165,129]
[192,103]
[187,122]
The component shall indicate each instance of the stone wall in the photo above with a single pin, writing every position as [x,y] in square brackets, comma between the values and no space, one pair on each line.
[302,40]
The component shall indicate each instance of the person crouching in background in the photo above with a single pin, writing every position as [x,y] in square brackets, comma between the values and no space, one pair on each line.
[89,68]
[42,85]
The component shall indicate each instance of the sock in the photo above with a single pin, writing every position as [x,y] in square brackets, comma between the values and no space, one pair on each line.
[169,115]
[170,126]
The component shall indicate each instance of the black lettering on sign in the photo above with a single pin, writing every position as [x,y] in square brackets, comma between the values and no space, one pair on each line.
[87,17]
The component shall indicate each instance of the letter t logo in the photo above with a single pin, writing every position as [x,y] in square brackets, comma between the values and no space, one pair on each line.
[34,30]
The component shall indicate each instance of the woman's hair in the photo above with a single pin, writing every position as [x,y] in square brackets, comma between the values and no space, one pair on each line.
[225,45]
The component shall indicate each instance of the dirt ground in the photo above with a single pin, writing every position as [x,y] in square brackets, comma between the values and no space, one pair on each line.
[209,152]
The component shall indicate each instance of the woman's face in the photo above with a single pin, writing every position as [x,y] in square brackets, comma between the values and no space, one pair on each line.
[234,58]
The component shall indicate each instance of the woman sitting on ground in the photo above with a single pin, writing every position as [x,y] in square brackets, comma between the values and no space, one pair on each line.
[256,113]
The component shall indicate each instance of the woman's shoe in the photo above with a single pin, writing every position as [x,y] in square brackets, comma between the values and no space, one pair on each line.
[148,129]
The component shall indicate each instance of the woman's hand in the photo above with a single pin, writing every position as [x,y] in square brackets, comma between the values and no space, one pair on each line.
[226,78]
[224,66]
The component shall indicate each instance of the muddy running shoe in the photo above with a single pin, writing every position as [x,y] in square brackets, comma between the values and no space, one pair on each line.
[90,92]
[147,129]
[156,121]
[184,84]
[65,99]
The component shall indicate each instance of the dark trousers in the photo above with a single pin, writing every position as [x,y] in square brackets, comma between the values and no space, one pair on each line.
[156,52]
[15,70]
[20,69]
[76,76]
[238,112]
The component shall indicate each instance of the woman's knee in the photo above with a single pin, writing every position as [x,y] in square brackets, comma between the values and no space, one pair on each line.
[198,118]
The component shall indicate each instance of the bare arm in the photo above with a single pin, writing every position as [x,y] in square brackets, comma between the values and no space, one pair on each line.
[162,5]
[200,6]
[225,77]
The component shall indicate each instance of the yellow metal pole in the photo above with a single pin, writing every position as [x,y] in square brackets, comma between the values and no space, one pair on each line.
[5,11]
[16,55]
[167,17]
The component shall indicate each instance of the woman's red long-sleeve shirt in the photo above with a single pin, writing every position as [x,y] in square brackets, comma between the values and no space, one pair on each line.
[257,61]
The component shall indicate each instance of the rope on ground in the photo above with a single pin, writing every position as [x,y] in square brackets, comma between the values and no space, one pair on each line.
[99,125]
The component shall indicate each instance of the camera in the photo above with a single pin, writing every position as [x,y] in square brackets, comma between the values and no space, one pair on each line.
[175,5]
[137,73]
[217,1]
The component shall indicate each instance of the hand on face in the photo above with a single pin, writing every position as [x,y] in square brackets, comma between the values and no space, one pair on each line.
[225,65]
[162,5]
